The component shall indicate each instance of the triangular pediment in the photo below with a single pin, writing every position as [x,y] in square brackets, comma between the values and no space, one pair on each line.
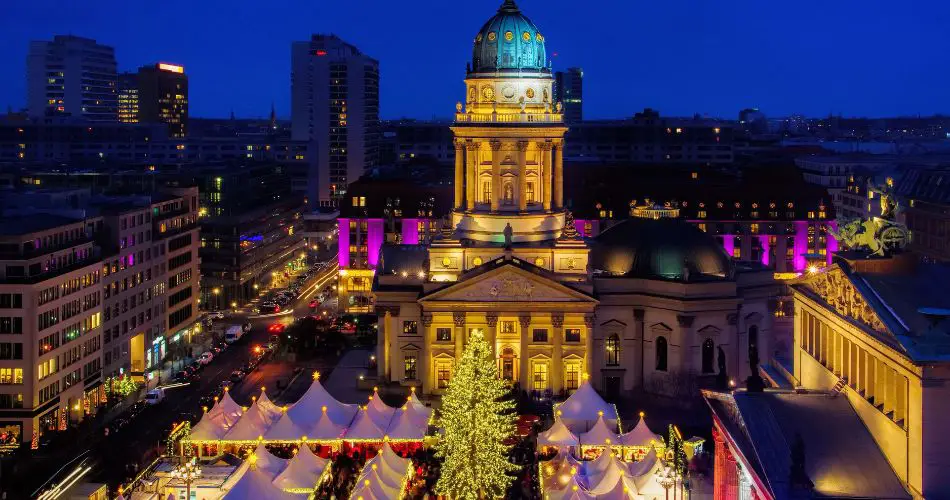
[835,288]
[660,327]
[709,330]
[507,283]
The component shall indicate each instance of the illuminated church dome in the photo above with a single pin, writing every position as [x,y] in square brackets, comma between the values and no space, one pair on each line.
[509,43]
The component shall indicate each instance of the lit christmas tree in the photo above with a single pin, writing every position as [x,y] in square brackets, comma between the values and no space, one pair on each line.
[476,422]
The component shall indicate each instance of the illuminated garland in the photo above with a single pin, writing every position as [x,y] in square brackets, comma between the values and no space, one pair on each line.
[476,422]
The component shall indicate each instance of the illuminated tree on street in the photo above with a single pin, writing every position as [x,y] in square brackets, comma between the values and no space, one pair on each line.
[476,421]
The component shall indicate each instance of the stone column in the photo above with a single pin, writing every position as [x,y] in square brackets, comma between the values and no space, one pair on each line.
[546,171]
[423,362]
[525,320]
[491,333]
[639,329]
[522,176]
[471,182]
[559,175]
[495,175]
[458,317]
[459,174]
[589,345]
[557,365]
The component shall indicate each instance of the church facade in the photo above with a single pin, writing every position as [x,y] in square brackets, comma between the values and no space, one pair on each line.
[652,305]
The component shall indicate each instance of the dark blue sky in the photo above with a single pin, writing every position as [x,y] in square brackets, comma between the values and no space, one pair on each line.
[852,57]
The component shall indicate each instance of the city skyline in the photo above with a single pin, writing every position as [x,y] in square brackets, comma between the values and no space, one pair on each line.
[706,60]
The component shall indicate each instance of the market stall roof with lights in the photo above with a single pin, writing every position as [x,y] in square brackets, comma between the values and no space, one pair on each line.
[384,476]
[581,410]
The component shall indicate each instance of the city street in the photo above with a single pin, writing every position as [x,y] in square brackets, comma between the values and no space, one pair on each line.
[139,441]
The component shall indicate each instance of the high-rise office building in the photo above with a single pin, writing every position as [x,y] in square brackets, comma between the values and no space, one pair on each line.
[569,91]
[72,75]
[128,98]
[335,104]
[163,97]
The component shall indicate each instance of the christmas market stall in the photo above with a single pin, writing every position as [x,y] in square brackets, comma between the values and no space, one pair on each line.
[636,443]
[384,476]
[581,409]
[599,438]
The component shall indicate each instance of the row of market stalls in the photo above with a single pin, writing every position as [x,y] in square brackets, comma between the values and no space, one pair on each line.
[384,476]
[594,458]
[317,418]
[260,475]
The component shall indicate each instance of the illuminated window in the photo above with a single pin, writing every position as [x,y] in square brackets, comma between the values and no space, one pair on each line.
[486,192]
[811,215]
[572,376]
[702,227]
[612,350]
[695,175]
[701,214]
[410,327]
[507,327]
[754,228]
[410,367]
[530,192]
[539,377]
[443,373]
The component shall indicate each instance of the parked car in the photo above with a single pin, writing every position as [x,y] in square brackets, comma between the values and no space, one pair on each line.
[314,303]
[183,377]
[216,315]
[246,327]
[225,385]
[237,376]
[155,396]
[276,328]
[205,358]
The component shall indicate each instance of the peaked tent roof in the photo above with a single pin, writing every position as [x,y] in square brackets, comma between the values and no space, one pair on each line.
[580,411]
[285,430]
[307,410]
[379,411]
[324,429]
[599,435]
[405,425]
[641,435]
[363,428]
[217,421]
[254,484]
[267,464]
[573,490]
[558,435]
[255,422]
[303,471]
[229,408]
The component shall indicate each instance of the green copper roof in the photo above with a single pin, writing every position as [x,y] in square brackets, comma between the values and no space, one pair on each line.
[509,42]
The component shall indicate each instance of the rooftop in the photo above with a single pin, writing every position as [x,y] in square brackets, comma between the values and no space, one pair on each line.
[22,224]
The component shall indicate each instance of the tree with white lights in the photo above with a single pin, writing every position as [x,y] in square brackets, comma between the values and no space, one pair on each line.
[477,420]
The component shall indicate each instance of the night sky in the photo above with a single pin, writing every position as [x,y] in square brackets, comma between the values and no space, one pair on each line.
[867,58]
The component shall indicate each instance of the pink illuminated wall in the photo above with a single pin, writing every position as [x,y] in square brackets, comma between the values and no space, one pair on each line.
[410,231]
[831,245]
[801,245]
[729,244]
[343,258]
[375,235]
[764,242]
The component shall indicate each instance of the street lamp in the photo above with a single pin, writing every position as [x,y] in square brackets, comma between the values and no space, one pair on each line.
[188,472]
[667,479]
[215,291]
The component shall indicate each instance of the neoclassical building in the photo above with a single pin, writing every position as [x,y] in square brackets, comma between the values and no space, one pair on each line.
[648,304]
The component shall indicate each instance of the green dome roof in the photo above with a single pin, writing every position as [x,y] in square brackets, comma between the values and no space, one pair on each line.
[666,249]
[509,43]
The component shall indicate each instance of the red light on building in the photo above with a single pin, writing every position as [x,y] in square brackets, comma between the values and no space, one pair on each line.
[321,53]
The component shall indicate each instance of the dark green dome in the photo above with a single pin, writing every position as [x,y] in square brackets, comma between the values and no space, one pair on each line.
[666,249]
[509,43]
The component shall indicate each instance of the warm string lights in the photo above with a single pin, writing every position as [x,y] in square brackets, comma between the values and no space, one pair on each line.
[476,422]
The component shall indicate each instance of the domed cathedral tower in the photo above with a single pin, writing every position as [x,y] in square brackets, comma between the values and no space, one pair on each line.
[509,156]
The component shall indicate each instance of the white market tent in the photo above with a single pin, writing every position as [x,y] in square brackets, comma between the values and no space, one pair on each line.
[363,428]
[285,430]
[265,463]
[324,429]
[216,422]
[558,435]
[254,484]
[380,412]
[641,435]
[404,426]
[256,421]
[599,435]
[607,478]
[308,409]
[383,476]
[418,409]
[581,409]
[303,472]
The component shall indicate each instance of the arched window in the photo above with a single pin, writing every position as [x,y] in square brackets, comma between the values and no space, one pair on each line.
[661,354]
[753,343]
[486,192]
[709,355]
[612,350]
